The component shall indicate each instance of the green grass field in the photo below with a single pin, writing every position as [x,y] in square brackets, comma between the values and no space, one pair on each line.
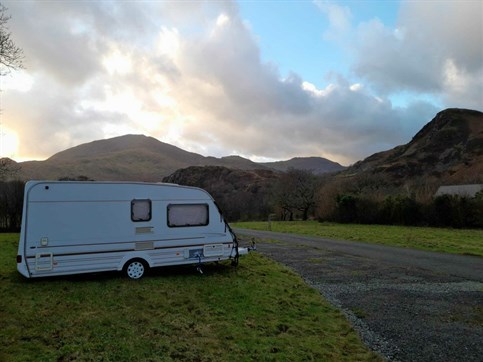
[258,311]
[455,241]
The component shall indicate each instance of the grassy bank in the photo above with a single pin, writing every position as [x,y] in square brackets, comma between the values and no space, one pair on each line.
[455,241]
[257,311]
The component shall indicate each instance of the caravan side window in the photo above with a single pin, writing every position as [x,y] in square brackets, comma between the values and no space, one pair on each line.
[141,210]
[188,215]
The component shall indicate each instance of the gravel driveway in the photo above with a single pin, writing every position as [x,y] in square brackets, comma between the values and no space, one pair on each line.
[406,304]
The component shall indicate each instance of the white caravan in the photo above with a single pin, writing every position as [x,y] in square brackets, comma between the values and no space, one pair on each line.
[84,227]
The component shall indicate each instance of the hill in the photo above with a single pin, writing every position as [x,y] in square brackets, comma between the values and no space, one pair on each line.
[127,158]
[318,165]
[240,193]
[141,158]
[447,150]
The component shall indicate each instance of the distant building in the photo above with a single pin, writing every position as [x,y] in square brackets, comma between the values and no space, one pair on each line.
[460,190]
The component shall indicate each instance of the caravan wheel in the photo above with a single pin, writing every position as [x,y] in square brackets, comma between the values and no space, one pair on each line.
[135,268]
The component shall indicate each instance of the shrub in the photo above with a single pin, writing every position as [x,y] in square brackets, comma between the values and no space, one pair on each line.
[11,202]
[346,208]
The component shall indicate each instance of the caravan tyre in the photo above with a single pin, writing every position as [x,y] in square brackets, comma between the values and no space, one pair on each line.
[135,268]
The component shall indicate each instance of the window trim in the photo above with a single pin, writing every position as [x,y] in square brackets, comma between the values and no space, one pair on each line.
[133,202]
[188,225]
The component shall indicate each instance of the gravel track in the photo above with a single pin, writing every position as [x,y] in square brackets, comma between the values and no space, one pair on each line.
[406,304]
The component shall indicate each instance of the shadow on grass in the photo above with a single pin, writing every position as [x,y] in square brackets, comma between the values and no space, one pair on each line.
[208,269]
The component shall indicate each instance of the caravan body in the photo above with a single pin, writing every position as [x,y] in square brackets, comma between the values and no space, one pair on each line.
[83,227]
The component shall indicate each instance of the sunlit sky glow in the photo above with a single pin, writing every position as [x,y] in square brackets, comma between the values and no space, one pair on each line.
[266,80]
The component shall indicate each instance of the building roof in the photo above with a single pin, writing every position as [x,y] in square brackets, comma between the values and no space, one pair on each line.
[460,190]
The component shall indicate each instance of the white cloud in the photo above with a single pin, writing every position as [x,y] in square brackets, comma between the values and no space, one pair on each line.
[356,87]
[312,89]
[462,86]
[222,20]
[116,62]
[19,80]
[437,48]
[168,42]
[340,19]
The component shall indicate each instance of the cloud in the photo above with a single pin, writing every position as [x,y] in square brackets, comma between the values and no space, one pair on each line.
[52,118]
[425,53]
[253,111]
[191,74]
[52,42]
[339,17]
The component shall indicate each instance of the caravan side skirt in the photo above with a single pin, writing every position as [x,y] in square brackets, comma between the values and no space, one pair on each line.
[64,263]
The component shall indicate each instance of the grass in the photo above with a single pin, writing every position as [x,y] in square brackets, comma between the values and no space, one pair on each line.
[455,241]
[257,311]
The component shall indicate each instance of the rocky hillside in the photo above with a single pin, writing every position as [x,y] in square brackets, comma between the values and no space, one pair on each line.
[240,193]
[449,149]
[318,165]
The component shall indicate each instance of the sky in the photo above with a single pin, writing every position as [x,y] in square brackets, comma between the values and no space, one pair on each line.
[266,80]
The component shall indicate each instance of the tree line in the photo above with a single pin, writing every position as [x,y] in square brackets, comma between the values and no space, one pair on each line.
[301,195]
[298,194]
[453,211]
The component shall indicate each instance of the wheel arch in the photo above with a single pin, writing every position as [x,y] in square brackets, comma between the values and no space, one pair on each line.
[135,255]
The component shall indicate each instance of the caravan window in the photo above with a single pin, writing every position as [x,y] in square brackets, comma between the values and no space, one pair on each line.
[187,215]
[141,210]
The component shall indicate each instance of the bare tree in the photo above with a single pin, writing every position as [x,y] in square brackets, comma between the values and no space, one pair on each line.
[8,169]
[295,191]
[11,56]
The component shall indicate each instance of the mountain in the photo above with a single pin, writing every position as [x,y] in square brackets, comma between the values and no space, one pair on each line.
[448,149]
[128,158]
[318,165]
[131,143]
[235,162]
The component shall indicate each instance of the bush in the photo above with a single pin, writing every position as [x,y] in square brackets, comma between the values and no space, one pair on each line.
[346,208]
[443,211]
[11,203]
[401,210]
[368,211]
[457,211]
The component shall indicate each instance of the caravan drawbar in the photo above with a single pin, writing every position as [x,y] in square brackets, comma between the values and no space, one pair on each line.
[71,227]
